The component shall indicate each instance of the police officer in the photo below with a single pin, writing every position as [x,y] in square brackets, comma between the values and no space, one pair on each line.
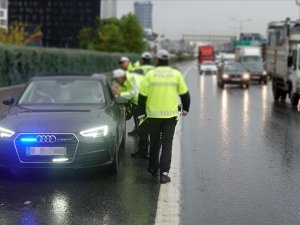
[158,101]
[126,64]
[146,64]
[129,83]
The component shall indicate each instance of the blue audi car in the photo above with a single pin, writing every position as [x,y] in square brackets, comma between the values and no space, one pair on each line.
[63,122]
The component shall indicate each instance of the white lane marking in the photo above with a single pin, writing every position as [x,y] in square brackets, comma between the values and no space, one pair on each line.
[188,70]
[169,199]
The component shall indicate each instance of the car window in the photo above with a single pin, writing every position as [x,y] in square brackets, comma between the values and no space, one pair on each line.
[63,91]
[233,67]
[208,64]
[250,59]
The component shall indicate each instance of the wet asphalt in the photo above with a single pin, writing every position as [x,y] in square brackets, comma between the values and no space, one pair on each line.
[240,156]
[240,165]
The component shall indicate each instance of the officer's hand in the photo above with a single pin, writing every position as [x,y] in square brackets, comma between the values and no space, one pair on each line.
[141,117]
[116,91]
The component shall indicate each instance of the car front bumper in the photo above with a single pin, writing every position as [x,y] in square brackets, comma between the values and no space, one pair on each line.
[88,153]
[235,81]
[258,77]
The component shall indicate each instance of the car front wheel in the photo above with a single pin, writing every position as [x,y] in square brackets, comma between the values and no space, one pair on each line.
[114,166]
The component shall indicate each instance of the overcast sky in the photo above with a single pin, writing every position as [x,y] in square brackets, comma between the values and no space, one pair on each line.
[174,18]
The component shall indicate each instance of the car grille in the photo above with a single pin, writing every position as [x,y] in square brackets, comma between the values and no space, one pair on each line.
[25,142]
[235,76]
[208,72]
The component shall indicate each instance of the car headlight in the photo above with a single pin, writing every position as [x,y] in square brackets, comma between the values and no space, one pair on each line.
[246,76]
[265,73]
[95,132]
[225,76]
[5,133]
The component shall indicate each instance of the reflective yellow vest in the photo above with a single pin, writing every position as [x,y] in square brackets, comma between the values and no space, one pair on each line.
[162,86]
[130,88]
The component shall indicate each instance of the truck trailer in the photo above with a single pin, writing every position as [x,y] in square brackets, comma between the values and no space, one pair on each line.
[283,59]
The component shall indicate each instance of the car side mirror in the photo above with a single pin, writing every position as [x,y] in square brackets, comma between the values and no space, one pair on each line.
[290,61]
[121,100]
[9,101]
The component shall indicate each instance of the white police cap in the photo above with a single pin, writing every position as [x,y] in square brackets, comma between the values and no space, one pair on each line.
[118,73]
[163,54]
[146,55]
[123,59]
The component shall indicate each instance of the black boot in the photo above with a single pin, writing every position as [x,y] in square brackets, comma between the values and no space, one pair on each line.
[164,178]
[153,172]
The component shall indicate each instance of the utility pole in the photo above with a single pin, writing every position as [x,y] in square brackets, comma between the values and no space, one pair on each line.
[241,22]
[298,3]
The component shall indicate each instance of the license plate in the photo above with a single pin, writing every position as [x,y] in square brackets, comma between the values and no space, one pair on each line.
[46,151]
[236,79]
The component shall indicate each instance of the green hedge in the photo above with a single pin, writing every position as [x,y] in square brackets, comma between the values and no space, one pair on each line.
[19,64]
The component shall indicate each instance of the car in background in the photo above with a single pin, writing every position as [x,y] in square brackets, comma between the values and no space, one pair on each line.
[63,122]
[233,73]
[208,68]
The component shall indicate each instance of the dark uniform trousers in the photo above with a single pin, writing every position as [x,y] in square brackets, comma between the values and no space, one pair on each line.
[142,130]
[161,135]
[134,109]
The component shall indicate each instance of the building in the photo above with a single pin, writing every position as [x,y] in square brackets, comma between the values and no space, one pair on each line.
[143,11]
[60,20]
[108,9]
[3,14]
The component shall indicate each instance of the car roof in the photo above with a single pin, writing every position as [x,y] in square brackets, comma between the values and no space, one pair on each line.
[62,76]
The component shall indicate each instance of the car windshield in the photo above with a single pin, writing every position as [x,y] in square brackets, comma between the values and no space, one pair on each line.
[62,91]
[233,67]
[250,59]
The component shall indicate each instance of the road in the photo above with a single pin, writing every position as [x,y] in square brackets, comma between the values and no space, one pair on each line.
[236,161]
[240,157]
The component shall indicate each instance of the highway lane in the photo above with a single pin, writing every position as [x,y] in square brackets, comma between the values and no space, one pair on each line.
[240,156]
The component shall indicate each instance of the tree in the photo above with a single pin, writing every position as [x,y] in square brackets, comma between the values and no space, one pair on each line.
[113,35]
[133,33]
[17,34]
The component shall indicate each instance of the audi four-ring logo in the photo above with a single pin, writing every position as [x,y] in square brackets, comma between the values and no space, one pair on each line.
[46,139]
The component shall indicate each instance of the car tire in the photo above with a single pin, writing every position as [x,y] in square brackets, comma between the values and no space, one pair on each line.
[295,100]
[276,92]
[221,85]
[265,82]
[114,166]
[123,143]
[283,96]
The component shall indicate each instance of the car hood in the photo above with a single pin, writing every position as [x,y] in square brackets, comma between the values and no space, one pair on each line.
[234,72]
[54,120]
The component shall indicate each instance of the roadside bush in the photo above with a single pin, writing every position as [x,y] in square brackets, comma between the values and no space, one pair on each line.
[19,64]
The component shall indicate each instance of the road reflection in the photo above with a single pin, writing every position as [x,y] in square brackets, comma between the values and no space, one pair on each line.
[246,113]
[282,134]
[60,207]
[28,218]
[265,102]
[225,125]
[202,97]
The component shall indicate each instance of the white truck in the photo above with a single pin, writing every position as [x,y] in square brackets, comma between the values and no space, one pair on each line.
[283,59]
[251,59]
